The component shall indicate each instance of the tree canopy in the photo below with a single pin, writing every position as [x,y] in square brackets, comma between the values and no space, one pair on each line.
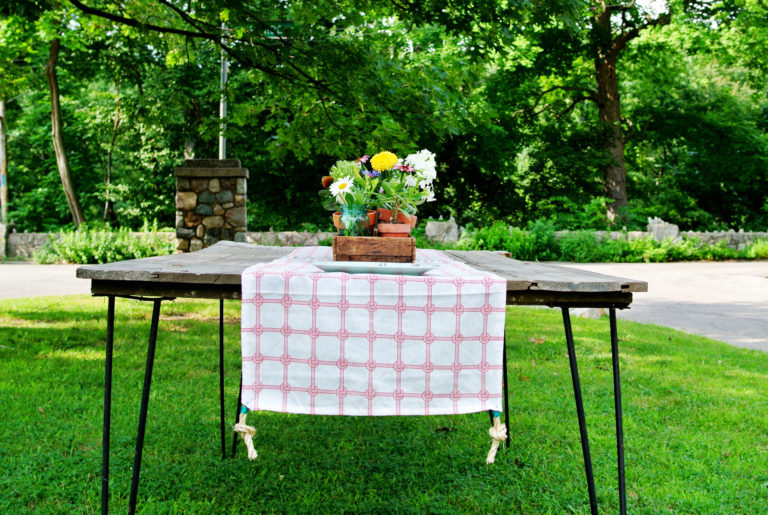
[515,99]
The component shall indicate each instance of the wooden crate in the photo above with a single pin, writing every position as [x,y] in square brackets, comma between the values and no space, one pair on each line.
[373,248]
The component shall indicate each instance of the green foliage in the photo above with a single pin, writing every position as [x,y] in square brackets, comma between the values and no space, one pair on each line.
[356,77]
[87,246]
[757,250]
[539,243]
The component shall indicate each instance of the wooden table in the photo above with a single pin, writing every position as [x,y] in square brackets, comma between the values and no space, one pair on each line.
[214,273]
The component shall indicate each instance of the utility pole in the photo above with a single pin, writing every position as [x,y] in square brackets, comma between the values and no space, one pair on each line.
[223,98]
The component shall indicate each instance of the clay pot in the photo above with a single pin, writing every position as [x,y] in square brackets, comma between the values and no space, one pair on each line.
[385,215]
[371,220]
[390,230]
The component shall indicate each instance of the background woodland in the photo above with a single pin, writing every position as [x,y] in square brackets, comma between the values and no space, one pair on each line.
[578,112]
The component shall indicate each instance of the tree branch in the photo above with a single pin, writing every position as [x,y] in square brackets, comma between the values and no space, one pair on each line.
[620,42]
[136,23]
[619,7]
[590,95]
[215,38]
[576,101]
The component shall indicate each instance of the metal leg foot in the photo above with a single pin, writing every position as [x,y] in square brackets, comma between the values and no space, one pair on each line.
[107,406]
[619,416]
[221,379]
[144,406]
[580,411]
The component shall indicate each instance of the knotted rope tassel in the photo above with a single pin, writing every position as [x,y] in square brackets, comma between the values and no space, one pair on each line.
[499,433]
[246,432]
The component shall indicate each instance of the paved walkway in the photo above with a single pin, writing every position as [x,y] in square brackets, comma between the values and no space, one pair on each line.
[726,301]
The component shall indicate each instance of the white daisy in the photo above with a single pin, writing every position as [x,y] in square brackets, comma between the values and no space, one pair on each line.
[341,187]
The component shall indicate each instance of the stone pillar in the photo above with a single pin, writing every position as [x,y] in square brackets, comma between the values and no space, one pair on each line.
[3,232]
[210,203]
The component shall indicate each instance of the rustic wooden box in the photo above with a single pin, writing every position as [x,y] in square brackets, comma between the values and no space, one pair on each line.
[373,248]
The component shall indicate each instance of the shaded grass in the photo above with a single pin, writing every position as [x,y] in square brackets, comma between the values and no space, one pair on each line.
[695,414]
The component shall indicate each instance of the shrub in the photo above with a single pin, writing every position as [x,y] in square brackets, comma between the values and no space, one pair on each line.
[103,246]
[758,249]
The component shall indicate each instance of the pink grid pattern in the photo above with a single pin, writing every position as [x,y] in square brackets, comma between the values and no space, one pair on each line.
[325,343]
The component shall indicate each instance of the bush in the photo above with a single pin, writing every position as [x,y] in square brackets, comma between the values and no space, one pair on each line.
[538,243]
[103,246]
[756,250]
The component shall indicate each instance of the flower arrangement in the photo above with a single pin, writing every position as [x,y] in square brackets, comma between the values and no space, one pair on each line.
[382,181]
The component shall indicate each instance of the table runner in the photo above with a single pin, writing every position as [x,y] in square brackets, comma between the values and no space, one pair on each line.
[327,343]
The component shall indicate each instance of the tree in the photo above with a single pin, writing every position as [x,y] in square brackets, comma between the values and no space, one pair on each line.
[62,160]
[610,37]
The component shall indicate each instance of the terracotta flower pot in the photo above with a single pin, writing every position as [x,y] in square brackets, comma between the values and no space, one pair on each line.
[390,230]
[371,220]
[385,215]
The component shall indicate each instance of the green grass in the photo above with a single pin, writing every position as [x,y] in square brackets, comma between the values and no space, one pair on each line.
[695,414]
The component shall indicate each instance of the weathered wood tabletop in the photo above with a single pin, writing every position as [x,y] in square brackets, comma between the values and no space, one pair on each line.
[215,272]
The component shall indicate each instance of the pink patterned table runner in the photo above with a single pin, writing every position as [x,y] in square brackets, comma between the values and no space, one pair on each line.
[326,343]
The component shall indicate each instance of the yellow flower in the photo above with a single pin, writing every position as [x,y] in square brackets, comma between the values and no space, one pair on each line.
[383,161]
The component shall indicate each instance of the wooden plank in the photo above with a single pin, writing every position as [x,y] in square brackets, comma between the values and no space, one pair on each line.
[371,248]
[165,289]
[222,263]
[522,275]
[572,299]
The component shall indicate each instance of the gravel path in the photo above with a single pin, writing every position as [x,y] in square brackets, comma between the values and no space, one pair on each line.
[726,301]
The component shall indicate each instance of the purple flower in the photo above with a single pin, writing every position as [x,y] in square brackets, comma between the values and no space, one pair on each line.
[371,173]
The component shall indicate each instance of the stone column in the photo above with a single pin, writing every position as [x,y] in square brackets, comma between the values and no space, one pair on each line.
[210,203]
[3,232]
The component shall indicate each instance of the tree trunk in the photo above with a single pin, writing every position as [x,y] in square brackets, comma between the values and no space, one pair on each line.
[109,211]
[58,141]
[3,165]
[609,109]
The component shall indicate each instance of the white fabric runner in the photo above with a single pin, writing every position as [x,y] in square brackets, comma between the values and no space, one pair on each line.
[326,343]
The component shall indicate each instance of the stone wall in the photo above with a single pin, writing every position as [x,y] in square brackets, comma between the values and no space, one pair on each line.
[288,238]
[3,232]
[23,245]
[210,203]
[658,229]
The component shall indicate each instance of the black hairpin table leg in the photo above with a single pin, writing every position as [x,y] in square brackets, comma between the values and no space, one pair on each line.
[617,408]
[221,379]
[107,406]
[144,406]
[580,410]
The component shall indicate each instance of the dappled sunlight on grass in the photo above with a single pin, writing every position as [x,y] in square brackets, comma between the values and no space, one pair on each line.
[86,354]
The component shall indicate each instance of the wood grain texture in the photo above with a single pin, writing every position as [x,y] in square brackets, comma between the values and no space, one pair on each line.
[373,249]
[215,273]
[221,263]
[527,275]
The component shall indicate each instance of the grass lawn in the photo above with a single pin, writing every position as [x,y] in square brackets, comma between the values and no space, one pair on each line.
[695,415]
